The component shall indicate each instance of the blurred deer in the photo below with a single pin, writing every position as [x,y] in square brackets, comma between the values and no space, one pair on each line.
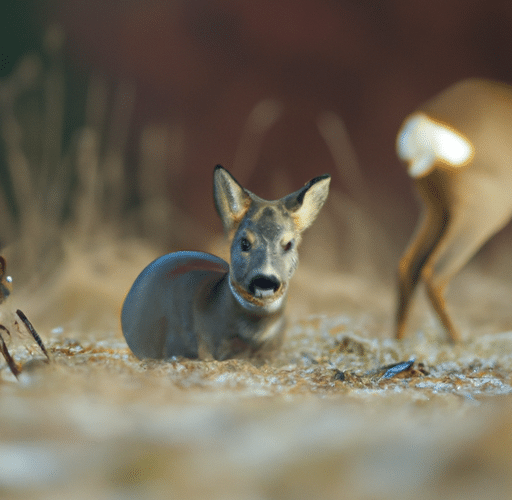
[459,151]
[196,305]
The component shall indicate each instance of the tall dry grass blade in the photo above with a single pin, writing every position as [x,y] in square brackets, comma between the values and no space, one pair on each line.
[88,201]
[156,214]
[161,158]
[373,245]
[23,78]
[117,137]
[30,222]
[35,228]
[264,114]
[86,206]
[7,222]
[335,134]
[96,104]
[54,95]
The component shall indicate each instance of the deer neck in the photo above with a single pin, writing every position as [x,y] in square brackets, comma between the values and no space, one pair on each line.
[246,317]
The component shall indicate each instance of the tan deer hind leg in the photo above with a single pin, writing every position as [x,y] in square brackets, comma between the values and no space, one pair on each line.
[412,263]
[467,231]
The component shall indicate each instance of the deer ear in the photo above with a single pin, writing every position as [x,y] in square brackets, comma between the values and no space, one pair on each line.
[305,204]
[231,200]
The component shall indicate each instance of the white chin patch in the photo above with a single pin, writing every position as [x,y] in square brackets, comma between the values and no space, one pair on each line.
[421,142]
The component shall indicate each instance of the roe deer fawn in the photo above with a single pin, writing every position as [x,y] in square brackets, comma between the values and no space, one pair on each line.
[459,150]
[194,304]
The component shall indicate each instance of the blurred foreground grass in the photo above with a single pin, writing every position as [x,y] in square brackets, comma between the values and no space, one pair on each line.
[318,421]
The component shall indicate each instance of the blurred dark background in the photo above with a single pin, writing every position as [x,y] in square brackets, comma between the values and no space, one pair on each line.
[200,67]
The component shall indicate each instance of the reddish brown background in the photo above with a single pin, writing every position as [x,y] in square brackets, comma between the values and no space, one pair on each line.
[204,64]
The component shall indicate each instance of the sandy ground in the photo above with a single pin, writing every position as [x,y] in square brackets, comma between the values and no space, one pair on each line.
[330,416]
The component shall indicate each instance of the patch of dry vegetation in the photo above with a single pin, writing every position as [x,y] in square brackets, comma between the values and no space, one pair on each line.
[330,416]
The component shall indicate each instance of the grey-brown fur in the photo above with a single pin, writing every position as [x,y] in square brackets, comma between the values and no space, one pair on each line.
[196,305]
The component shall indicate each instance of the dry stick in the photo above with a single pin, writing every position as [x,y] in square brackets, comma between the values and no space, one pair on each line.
[7,355]
[33,332]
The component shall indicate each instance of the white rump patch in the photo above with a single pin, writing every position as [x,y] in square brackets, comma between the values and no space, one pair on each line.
[422,141]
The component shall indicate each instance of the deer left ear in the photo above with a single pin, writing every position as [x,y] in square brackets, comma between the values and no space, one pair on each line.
[305,204]
[231,200]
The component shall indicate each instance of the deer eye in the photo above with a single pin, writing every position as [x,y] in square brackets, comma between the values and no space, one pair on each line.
[288,246]
[245,245]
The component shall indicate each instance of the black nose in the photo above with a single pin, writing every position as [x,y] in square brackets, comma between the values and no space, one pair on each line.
[261,283]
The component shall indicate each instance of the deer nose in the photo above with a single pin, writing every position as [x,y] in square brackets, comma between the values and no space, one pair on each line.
[264,286]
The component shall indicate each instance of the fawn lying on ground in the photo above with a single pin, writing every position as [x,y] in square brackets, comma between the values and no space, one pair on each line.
[459,150]
[194,304]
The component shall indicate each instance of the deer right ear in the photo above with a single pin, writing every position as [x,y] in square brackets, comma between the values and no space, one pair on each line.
[231,200]
[305,203]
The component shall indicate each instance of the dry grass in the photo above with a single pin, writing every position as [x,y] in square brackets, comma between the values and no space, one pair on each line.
[320,420]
